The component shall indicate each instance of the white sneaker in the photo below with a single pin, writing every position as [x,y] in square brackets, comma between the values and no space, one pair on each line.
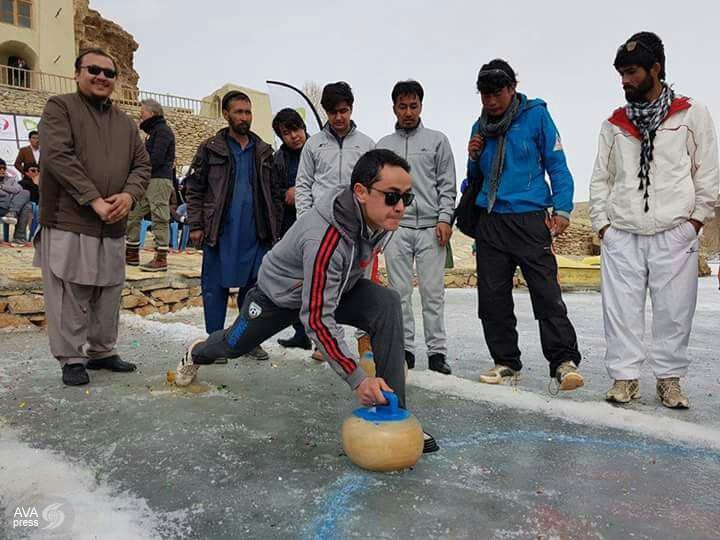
[187,370]
[9,219]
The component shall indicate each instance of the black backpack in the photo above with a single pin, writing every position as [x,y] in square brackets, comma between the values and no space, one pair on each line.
[467,212]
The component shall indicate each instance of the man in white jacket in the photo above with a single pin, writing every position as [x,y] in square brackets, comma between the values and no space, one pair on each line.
[654,184]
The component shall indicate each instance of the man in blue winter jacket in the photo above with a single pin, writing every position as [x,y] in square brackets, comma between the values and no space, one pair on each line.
[513,144]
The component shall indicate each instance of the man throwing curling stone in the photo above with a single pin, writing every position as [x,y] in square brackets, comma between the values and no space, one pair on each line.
[315,274]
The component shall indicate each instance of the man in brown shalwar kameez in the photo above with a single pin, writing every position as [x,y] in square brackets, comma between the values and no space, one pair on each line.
[94,168]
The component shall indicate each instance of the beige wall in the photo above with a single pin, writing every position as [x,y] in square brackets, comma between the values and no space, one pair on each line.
[49,46]
[262,113]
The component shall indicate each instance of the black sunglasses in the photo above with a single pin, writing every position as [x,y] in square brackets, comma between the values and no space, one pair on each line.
[394,197]
[96,70]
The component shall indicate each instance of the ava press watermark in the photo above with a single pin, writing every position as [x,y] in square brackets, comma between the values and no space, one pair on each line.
[47,515]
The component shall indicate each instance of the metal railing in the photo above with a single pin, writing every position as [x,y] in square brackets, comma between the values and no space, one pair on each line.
[24,79]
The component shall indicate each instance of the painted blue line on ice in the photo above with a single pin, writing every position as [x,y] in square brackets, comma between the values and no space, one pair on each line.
[616,444]
[335,504]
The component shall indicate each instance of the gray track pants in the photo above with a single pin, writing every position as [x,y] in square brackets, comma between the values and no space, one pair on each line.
[420,246]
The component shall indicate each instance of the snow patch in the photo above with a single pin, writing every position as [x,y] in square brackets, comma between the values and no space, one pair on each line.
[578,412]
[28,473]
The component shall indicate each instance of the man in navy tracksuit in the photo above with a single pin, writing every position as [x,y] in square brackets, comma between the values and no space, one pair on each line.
[513,144]
[292,131]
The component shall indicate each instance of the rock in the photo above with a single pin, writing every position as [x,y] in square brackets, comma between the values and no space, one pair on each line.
[133,301]
[3,306]
[8,320]
[145,310]
[195,301]
[26,303]
[178,306]
[126,292]
[170,296]
[178,285]
[164,309]
[194,291]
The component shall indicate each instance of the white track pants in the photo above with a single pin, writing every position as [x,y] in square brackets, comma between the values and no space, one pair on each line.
[420,246]
[667,264]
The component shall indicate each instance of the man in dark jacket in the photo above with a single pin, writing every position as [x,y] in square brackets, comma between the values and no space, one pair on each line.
[234,210]
[290,127]
[94,166]
[315,274]
[160,144]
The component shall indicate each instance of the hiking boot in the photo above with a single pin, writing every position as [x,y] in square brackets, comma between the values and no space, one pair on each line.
[495,374]
[317,355]
[157,264]
[436,362]
[429,444]
[132,254]
[409,359]
[258,353]
[670,394]
[296,342]
[187,369]
[112,363]
[221,360]
[364,345]
[10,219]
[568,377]
[74,375]
[623,391]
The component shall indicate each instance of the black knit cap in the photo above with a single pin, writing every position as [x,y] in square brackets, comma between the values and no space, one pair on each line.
[642,49]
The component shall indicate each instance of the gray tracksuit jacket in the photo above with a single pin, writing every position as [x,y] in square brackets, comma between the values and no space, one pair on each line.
[323,255]
[327,162]
[432,168]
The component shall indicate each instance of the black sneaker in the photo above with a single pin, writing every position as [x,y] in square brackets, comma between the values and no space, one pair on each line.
[436,362]
[429,444]
[409,359]
[74,375]
[296,342]
[112,363]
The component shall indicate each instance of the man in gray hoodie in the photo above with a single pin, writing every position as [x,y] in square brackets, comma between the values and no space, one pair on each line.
[315,274]
[426,228]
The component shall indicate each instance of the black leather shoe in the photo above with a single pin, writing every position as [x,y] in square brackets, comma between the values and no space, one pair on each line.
[436,362]
[296,342]
[409,359]
[74,375]
[113,363]
[429,444]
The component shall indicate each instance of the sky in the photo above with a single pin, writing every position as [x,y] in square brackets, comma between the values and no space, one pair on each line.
[562,52]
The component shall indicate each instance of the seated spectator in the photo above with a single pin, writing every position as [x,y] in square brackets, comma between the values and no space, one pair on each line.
[31,181]
[14,205]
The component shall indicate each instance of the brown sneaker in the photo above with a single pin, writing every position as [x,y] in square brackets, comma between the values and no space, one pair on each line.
[132,254]
[158,264]
[623,391]
[670,394]
[568,376]
[495,374]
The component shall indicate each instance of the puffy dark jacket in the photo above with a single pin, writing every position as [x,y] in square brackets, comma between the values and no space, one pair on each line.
[210,183]
[160,145]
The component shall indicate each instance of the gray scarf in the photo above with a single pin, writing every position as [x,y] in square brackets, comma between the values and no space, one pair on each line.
[647,118]
[498,129]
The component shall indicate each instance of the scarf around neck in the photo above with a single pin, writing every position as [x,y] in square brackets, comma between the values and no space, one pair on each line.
[647,117]
[497,127]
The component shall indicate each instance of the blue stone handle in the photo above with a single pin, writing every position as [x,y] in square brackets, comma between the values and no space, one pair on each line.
[392,401]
